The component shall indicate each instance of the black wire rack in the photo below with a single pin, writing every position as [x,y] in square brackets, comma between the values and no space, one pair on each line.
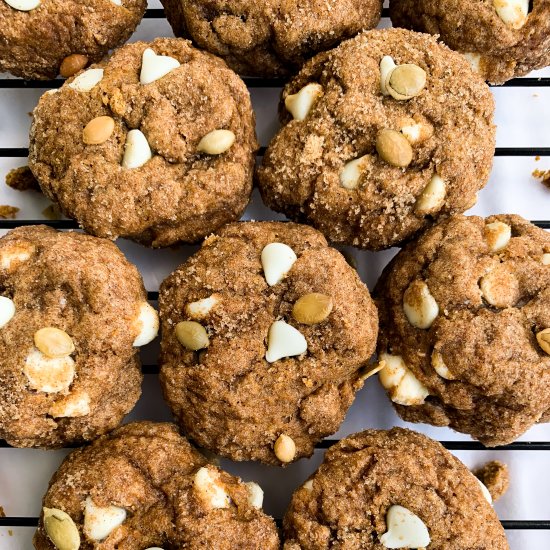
[524,446]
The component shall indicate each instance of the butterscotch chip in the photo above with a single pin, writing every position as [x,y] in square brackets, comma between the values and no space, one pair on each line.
[69,370]
[265,373]
[505,38]
[391,489]
[22,179]
[480,358]
[8,212]
[131,136]
[370,168]
[271,37]
[53,37]
[495,476]
[144,486]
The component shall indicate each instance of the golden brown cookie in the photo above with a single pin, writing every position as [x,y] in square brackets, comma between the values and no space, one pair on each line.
[73,313]
[157,144]
[465,327]
[273,37]
[41,38]
[381,136]
[501,38]
[265,330]
[391,489]
[144,486]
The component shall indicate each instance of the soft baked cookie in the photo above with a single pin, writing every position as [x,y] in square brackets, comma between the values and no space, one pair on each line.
[144,486]
[157,144]
[371,153]
[265,331]
[73,313]
[465,327]
[42,38]
[391,489]
[501,38]
[273,37]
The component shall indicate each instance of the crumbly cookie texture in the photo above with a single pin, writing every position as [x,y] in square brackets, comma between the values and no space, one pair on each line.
[501,38]
[381,136]
[391,489]
[265,332]
[465,327]
[73,312]
[144,486]
[495,476]
[157,144]
[273,37]
[41,38]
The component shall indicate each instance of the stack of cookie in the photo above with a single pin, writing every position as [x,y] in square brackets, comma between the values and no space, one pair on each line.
[267,332]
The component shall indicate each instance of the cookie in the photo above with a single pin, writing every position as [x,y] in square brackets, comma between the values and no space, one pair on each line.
[391,489]
[73,314]
[41,38]
[144,486]
[465,325]
[370,153]
[265,332]
[501,38]
[157,144]
[273,37]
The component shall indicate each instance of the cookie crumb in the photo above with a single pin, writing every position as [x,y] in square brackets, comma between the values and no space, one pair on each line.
[495,476]
[543,176]
[8,212]
[2,513]
[22,179]
[52,212]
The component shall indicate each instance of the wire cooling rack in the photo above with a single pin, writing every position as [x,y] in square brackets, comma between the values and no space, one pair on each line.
[523,145]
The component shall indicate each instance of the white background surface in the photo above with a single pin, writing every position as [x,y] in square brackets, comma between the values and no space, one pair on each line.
[523,119]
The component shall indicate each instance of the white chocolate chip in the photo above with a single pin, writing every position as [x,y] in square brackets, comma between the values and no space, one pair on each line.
[497,235]
[15,253]
[147,325]
[433,197]
[419,305]
[387,65]
[308,485]
[412,132]
[87,80]
[7,310]
[500,287]
[485,491]
[440,367]
[137,151]
[49,375]
[255,495]
[61,529]
[512,12]
[299,104]
[277,259]
[474,59]
[117,2]
[284,341]
[285,448]
[351,173]
[403,387]
[210,488]
[545,259]
[155,66]
[404,529]
[201,308]
[216,142]
[72,406]
[23,5]
[100,522]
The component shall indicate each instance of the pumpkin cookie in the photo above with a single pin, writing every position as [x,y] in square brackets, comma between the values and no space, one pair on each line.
[501,38]
[381,136]
[144,486]
[273,37]
[73,313]
[265,332]
[157,144]
[391,489]
[465,327]
[42,38]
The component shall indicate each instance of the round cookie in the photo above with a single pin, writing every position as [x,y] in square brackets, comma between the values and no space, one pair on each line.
[144,486]
[273,37]
[501,38]
[73,313]
[391,489]
[265,332]
[364,164]
[157,144]
[465,324]
[41,38]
